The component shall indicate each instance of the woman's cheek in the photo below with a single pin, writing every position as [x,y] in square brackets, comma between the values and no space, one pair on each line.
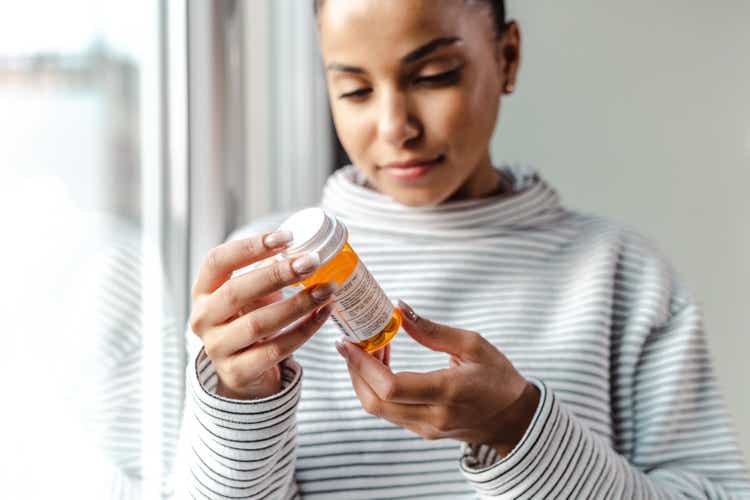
[472,120]
[448,118]
[484,105]
[351,128]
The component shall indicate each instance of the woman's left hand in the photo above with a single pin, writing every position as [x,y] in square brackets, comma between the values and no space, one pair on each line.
[481,398]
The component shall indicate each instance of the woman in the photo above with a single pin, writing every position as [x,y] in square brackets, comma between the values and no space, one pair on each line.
[610,393]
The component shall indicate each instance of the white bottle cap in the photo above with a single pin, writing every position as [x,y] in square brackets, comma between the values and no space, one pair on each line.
[314,230]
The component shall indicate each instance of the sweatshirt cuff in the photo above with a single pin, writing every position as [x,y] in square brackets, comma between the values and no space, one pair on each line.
[244,414]
[239,448]
[491,475]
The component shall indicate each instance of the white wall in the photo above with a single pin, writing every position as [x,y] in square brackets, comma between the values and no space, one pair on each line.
[641,111]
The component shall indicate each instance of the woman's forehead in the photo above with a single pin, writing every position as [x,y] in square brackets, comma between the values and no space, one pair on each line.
[377,29]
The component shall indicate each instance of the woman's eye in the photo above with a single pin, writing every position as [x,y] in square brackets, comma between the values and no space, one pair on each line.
[355,94]
[446,78]
[449,77]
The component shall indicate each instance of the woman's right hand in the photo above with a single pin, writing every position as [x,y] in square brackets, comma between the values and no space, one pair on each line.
[239,319]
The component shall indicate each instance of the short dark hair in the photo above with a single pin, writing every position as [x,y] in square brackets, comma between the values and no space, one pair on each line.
[497,7]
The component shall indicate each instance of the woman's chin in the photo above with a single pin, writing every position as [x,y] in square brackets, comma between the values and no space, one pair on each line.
[416,198]
[425,195]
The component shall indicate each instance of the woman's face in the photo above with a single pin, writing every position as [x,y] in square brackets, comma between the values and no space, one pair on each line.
[417,82]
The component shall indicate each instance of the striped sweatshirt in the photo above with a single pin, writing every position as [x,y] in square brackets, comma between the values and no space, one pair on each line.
[79,410]
[587,310]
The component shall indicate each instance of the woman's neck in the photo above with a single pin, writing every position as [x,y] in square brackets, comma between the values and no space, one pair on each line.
[484,182]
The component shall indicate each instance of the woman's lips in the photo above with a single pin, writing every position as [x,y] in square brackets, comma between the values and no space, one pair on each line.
[412,170]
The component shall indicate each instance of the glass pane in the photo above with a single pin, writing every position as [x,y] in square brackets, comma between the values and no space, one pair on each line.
[78,269]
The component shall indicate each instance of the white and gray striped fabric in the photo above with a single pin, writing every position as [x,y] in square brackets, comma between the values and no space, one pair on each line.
[80,407]
[586,309]
[114,365]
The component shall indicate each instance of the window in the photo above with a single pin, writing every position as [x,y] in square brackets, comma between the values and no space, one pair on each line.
[110,202]
[94,176]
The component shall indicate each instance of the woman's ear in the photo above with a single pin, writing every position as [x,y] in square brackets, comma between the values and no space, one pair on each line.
[508,52]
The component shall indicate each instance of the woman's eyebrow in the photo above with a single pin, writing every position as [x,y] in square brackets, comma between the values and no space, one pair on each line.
[427,49]
[344,68]
[414,55]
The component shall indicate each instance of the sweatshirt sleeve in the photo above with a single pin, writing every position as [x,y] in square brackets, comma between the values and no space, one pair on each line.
[234,448]
[680,443]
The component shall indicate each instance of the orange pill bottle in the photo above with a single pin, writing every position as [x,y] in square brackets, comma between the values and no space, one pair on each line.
[361,308]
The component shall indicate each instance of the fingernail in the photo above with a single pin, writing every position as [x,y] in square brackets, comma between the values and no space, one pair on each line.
[408,311]
[341,348]
[322,292]
[277,239]
[306,263]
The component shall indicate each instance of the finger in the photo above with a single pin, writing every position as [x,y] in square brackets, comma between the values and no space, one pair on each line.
[464,344]
[268,320]
[235,295]
[264,355]
[398,413]
[260,302]
[222,260]
[419,419]
[403,387]
[382,354]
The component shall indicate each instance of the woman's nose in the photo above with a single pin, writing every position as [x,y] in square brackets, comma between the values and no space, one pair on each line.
[396,124]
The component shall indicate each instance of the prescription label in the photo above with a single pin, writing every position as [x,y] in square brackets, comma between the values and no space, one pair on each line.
[362,309]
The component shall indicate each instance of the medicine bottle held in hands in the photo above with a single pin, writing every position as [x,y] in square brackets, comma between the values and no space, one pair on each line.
[361,308]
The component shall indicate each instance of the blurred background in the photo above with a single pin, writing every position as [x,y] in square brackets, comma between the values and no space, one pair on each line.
[135,136]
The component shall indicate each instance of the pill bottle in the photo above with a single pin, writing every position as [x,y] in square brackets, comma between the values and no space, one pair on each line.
[361,308]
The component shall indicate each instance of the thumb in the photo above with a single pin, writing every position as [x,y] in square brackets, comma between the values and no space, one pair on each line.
[462,344]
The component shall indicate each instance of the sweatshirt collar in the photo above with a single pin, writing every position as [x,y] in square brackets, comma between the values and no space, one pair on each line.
[532,202]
